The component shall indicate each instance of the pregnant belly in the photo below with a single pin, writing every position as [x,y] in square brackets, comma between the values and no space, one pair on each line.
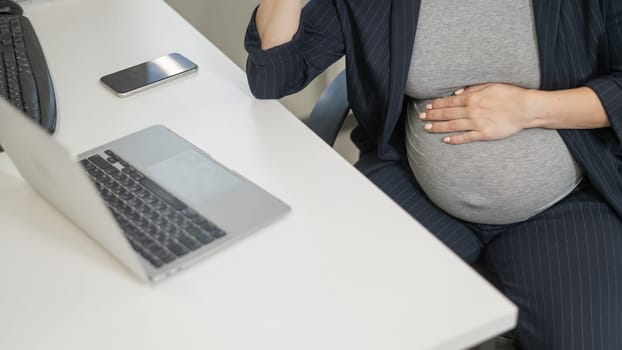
[491,182]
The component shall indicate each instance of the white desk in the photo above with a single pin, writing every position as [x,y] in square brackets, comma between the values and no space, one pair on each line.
[347,269]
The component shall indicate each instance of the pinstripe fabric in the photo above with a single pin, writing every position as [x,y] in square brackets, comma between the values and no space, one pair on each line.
[563,267]
[579,41]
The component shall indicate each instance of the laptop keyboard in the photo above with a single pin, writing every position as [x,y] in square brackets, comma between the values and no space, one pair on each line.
[160,227]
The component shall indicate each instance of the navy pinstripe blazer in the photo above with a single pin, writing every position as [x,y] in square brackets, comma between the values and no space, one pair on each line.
[579,41]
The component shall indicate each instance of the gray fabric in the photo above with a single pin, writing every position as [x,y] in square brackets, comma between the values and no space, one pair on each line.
[492,182]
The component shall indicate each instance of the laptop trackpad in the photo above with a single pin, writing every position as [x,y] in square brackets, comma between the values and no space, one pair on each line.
[193,177]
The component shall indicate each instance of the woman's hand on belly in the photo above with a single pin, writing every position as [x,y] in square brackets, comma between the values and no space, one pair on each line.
[483,112]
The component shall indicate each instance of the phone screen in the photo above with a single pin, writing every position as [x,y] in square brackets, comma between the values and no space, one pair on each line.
[135,78]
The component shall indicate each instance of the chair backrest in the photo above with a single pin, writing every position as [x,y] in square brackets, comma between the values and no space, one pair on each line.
[330,110]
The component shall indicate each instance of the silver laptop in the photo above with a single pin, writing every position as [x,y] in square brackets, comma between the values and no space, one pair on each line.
[152,199]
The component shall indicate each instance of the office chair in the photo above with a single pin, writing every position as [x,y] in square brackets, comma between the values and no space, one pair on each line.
[326,119]
[331,110]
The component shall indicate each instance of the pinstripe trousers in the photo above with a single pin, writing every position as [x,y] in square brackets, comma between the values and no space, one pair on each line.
[562,267]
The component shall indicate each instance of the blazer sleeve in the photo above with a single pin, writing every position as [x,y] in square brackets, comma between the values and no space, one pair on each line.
[609,87]
[288,68]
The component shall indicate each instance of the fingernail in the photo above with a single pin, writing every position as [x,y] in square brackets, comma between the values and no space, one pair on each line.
[428,126]
[459,92]
[428,106]
[446,139]
[423,116]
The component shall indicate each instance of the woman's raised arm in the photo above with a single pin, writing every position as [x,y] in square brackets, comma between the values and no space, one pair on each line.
[288,45]
[278,21]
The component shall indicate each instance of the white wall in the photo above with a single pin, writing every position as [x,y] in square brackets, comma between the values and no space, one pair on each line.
[224,23]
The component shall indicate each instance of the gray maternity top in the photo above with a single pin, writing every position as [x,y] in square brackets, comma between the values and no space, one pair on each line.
[463,43]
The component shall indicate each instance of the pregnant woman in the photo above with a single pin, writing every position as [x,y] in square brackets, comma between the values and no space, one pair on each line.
[496,124]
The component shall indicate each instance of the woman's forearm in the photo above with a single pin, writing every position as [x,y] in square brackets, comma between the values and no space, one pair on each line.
[578,108]
[277,21]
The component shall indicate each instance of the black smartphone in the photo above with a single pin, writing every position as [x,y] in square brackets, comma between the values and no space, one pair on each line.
[148,74]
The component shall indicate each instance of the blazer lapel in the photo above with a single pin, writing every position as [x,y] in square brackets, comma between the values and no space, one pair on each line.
[546,15]
[404,18]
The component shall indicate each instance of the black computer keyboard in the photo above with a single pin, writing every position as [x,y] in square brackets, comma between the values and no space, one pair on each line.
[24,77]
[159,226]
